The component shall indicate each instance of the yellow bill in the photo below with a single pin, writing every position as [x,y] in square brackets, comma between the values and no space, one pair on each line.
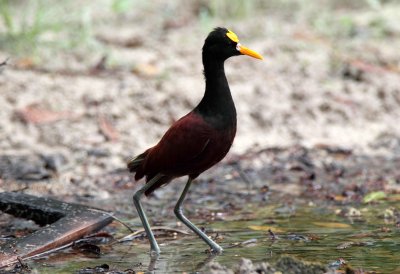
[249,52]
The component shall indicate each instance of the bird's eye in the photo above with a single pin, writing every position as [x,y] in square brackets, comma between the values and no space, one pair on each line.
[232,44]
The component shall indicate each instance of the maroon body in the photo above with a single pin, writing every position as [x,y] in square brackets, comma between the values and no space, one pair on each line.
[189,147]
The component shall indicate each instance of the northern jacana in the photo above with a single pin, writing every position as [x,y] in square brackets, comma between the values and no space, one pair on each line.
[199,139]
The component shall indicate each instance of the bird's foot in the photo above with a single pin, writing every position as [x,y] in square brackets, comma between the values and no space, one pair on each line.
[155,253]
[216,249]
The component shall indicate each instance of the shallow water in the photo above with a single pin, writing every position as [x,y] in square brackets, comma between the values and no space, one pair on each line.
[311,233]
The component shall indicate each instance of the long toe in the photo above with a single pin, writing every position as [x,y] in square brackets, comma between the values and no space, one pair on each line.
[217,249]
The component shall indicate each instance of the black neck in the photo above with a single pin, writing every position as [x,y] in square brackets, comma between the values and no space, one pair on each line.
[217,106]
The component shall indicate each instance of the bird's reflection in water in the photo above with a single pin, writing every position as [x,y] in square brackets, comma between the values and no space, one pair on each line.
[207,260]
[152,264]
[154,259]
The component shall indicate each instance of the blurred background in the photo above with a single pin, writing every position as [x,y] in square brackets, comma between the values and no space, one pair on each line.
[85,85]
[97,82]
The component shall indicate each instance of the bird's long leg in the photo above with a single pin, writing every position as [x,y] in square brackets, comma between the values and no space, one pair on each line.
[179,214]
[154,248]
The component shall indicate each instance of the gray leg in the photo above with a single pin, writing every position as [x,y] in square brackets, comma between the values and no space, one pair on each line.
[179,214]
[136,200]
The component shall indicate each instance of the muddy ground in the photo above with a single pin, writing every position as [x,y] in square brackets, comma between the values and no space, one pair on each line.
[317,119]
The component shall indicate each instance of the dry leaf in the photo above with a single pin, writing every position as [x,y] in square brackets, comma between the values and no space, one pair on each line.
[107,129]
[148,70]
[374,196]
[367,67]
[25,63]
[332,225]
[265,228]
[345,245]
[394,198]
[339,198]
[38,115]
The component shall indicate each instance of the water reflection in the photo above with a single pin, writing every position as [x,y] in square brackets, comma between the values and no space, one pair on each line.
[308,233]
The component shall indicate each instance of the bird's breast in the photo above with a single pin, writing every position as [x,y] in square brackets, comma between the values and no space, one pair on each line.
[218,145]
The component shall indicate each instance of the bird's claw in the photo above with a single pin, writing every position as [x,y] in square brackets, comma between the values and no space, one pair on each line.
[154,253]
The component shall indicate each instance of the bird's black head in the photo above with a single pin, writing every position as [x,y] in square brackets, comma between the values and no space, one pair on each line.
[222,43]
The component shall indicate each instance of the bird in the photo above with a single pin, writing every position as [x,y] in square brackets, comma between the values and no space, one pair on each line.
[198,140]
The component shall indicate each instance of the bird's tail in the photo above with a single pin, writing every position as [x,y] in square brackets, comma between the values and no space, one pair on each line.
[135,165]
[135,162]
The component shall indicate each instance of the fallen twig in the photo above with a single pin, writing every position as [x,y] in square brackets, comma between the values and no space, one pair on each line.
[5,62]
[115,218]
[65,222]
[272,235]
[244,243]
[135,234]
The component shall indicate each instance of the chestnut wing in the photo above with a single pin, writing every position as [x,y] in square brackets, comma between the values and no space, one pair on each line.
[180,147]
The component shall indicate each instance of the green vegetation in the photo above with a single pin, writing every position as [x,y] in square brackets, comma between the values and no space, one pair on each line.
[28,27]
[337,19]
